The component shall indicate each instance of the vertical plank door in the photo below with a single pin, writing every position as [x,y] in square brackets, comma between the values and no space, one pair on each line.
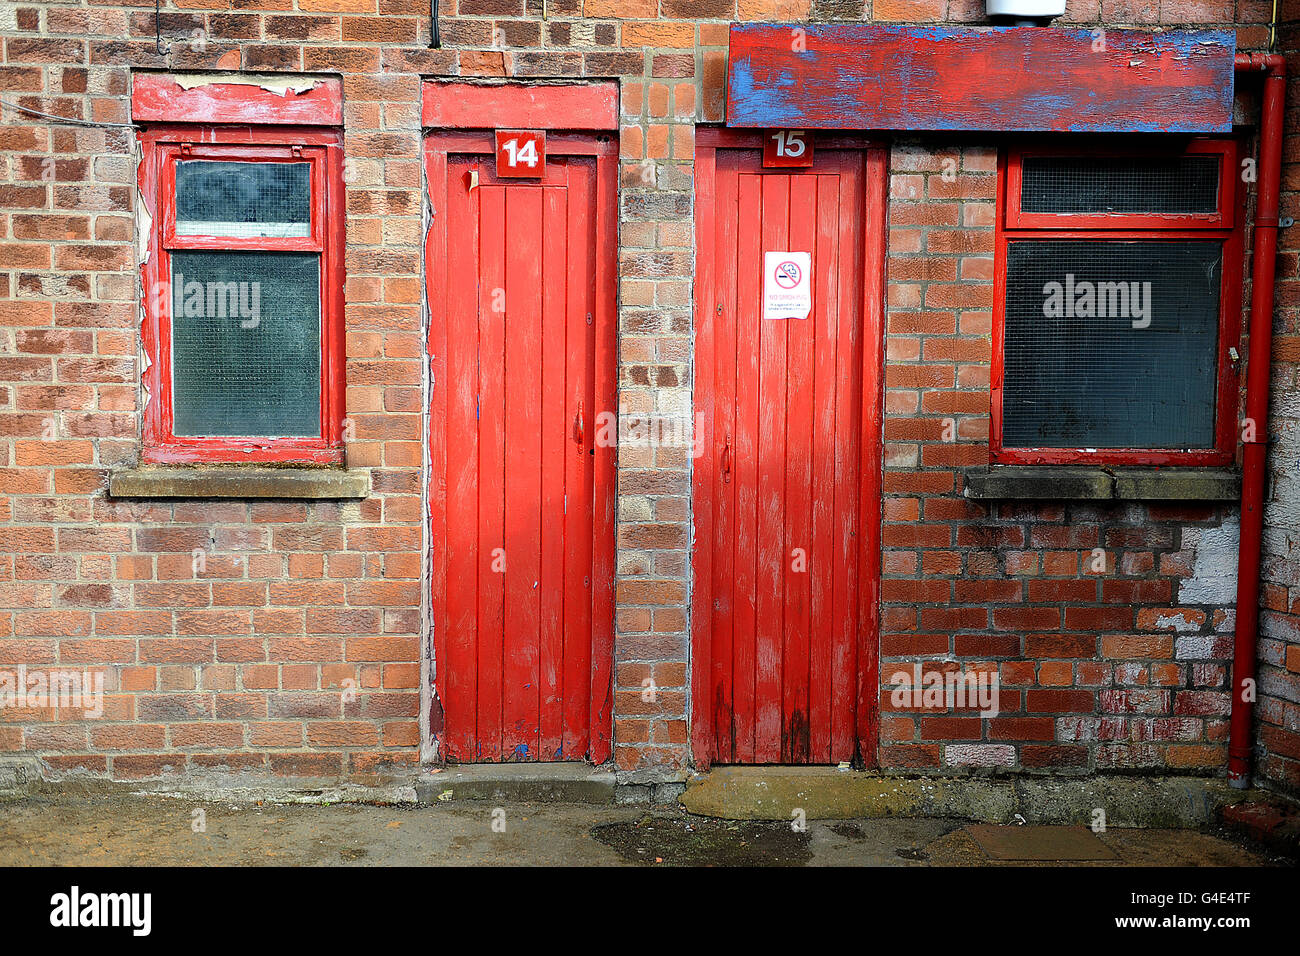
[786,496]
[521,499]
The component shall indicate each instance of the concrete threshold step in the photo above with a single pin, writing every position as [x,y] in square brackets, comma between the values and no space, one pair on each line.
[827,793]
[517,783]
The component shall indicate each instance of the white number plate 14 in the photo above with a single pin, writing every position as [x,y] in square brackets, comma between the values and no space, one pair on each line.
[521,153]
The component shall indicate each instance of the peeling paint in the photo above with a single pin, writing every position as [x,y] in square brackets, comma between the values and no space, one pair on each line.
[144,232]
[1214,573]
[143,227]
[1009,79]
[290,99]
[280,85]
[434,717]
[1201,647]
[1178,622]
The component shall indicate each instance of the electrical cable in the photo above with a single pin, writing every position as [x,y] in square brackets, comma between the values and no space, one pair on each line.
[62,119]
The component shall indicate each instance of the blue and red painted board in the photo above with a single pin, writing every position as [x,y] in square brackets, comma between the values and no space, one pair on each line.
[1013,79]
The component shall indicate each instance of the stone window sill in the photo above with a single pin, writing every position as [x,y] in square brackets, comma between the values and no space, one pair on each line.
[239,482]
[1093,483]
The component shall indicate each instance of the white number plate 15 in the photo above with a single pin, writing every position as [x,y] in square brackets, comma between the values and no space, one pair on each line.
[787,149]
[521,153]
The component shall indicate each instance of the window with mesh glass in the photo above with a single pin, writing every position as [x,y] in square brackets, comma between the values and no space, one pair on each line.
[243,326]
[1117,307]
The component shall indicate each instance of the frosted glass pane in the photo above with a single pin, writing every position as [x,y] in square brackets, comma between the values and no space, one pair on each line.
[252,200]
[246,343]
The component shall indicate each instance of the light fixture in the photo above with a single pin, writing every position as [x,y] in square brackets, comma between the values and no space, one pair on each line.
[1027,12]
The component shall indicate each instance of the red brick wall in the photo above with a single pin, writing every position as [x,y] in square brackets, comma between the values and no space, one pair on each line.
[244,664]
[1096,668]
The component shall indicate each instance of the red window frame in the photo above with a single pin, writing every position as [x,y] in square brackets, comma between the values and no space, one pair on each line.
[162,147]
[1221,218]
[1224,224]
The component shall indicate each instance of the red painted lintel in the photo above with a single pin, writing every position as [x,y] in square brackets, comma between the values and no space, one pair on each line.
[166,98]
[459,105]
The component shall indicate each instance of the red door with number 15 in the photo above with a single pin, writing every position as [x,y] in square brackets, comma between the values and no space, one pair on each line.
[786,498]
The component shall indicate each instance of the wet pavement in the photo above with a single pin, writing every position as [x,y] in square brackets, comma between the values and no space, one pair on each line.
[151,830]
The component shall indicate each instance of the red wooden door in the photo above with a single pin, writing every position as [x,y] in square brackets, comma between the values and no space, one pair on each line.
[521,357]
[786,496]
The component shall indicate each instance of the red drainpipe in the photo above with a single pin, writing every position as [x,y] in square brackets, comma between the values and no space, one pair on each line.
[1255,451]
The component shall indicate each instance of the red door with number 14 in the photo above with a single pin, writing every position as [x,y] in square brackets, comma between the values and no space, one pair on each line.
[522,356]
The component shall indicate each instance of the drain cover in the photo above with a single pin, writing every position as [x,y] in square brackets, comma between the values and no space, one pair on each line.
[1039,843]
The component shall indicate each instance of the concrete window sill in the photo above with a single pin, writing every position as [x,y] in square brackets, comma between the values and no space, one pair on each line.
[239,482]
[1092,483]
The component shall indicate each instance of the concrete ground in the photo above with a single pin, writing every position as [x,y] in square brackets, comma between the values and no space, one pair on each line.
[114,830]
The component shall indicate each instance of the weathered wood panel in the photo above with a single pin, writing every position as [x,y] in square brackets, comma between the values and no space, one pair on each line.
[264,100]
[785,480]
[521,500]
[868,77]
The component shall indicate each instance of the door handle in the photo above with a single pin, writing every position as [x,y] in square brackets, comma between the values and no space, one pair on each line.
[726,459]
[580,429]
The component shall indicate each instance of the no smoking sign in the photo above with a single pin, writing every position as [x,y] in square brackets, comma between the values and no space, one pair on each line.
[787,274]
[787,285]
